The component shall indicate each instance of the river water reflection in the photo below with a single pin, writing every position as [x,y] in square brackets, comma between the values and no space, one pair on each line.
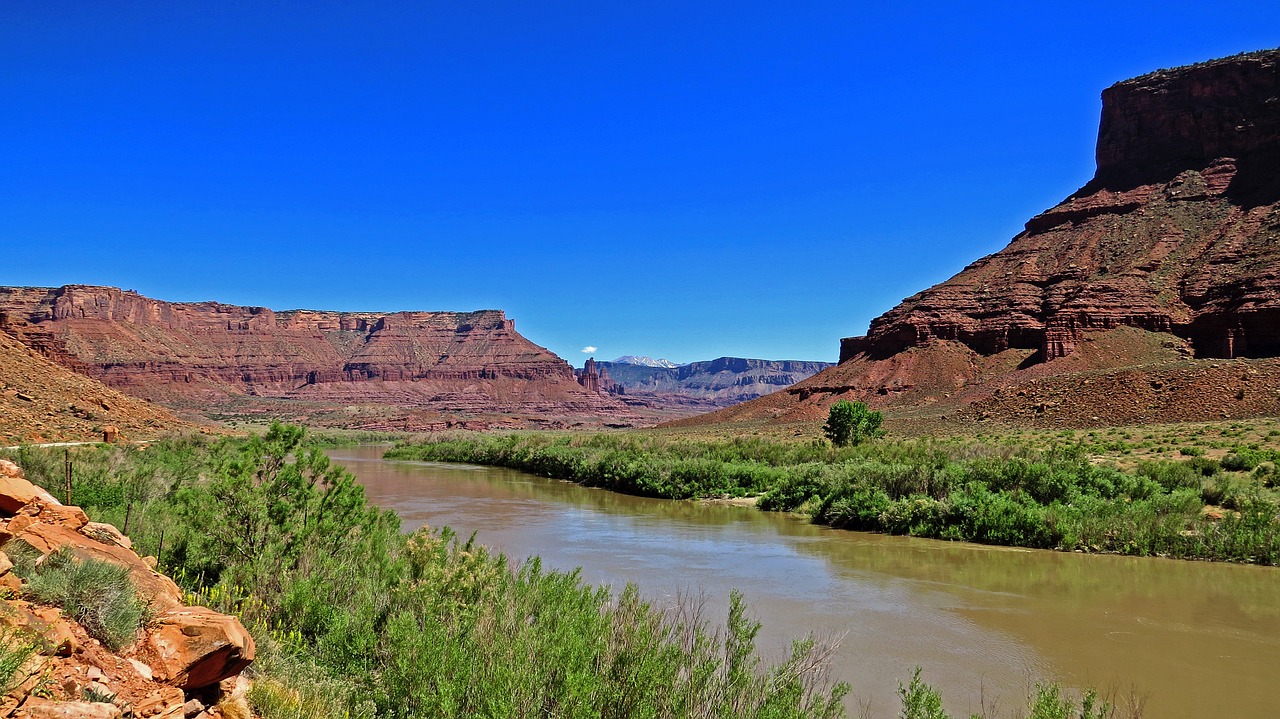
[1197,639]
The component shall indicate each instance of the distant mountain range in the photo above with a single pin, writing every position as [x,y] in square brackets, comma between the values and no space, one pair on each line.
[645,361]
[714,383]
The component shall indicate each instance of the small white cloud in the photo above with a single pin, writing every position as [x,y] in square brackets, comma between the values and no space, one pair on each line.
[588,349]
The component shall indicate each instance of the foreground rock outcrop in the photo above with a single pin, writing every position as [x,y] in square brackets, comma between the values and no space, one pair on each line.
[194,355]
[186,662]
[1177,238]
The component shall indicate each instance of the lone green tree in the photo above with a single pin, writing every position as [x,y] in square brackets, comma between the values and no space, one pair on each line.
[851,423]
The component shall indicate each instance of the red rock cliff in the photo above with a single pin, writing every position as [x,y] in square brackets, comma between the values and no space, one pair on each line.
[1176,233]
[166,349]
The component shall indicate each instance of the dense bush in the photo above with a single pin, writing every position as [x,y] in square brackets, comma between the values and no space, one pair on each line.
[1243,460]
[851,423]
[1050,499]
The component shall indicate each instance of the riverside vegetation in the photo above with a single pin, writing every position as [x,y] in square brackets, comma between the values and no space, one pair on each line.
[1051,496]
[355,619]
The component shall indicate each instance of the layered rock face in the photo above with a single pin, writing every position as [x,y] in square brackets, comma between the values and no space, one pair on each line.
[1176,233]
[1177,238]
[461,361]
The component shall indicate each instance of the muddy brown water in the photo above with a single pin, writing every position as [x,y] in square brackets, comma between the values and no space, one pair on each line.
[1192,639]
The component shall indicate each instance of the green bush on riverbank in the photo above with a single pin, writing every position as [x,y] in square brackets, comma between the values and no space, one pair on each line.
[1049,499]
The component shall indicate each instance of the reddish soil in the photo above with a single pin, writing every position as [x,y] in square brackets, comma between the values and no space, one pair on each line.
[41,401]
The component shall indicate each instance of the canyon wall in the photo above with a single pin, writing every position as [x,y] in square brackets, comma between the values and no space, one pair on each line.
[1177,232]
[459,362]
[1176,238]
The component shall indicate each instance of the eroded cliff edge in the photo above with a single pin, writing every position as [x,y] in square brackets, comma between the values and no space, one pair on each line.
[456,364]
[1176,233]
[1176,238]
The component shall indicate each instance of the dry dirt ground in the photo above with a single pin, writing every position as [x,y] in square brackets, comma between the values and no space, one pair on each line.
[41,401]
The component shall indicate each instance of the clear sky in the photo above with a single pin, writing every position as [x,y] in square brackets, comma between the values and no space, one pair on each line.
[677,179]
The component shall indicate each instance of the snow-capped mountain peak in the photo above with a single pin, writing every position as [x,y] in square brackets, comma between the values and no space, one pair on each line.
[646,361]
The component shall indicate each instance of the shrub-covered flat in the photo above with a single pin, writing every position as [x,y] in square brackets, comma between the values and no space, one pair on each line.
[1046,495]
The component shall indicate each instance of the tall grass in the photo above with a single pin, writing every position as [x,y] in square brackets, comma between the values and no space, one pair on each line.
[99,595]
[16,649]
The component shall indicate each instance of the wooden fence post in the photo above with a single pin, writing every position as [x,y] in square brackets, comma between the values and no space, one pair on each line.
[66,458]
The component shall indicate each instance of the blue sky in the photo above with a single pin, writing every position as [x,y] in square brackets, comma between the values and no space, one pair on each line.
[686,180]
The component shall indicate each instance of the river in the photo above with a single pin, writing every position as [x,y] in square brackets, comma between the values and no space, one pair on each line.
[1191,639]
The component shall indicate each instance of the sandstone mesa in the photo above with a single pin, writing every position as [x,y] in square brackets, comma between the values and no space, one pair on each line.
[457,365]
[1168,257]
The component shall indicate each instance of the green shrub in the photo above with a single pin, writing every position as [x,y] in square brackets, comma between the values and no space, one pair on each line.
[981,515]
[1266,472]
[919,515]
[295,687]
[1205,466]
[851,423]
[99,595]
[1171,475]
[919,700]
[24,557]
[1049,703]
[1243,460]
[1231,491]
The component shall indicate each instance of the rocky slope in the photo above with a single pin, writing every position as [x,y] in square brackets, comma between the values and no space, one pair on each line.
[41,401]
[186,662]
[1177,237]
[715,383]
[454,365]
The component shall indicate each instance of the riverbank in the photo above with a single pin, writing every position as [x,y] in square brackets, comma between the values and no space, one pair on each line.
[358,619]
[1048,497]
[984,621]
[355,618]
